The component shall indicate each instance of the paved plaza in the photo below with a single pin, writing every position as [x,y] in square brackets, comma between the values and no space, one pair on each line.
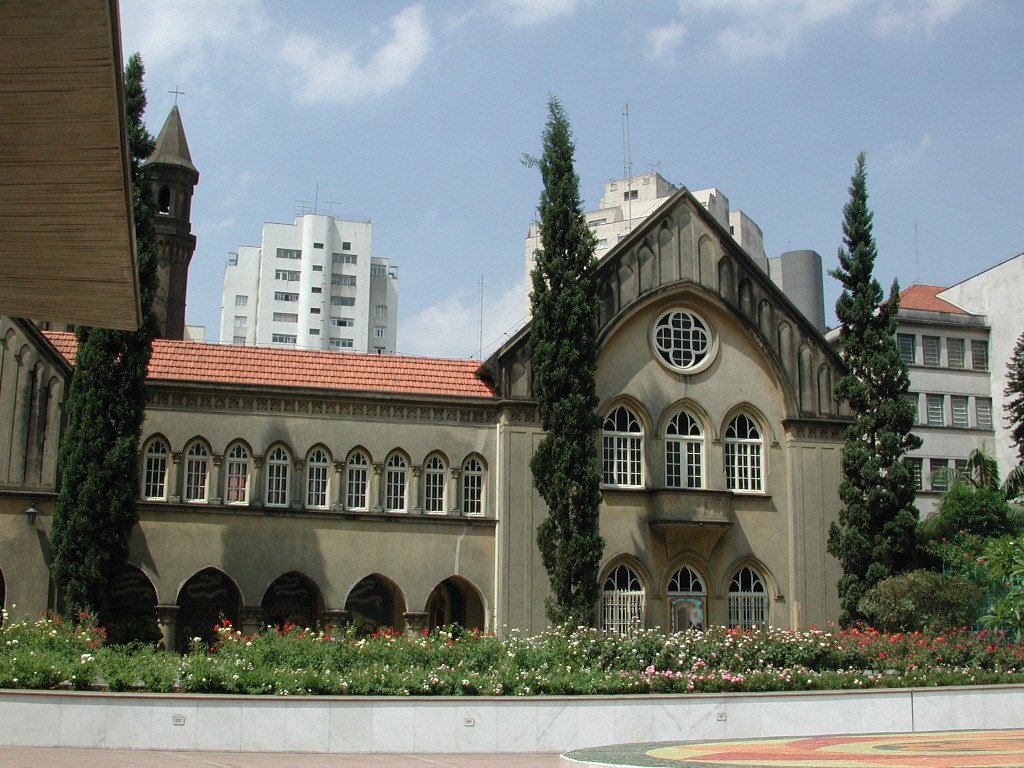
[959,749]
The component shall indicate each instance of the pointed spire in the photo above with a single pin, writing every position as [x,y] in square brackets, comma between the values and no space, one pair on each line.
[171,146]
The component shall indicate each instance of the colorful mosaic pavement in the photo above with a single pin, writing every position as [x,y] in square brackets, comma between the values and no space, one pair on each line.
[960,749]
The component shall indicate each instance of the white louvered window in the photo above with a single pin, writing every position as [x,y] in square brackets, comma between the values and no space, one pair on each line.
[748,600]
[277,477]
[684,452]
[744,470]
[623,603]
[958,405]
[935,406]
[622,440]
[931,350]
[983,412]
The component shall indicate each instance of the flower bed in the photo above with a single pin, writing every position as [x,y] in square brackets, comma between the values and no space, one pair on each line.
[51,653]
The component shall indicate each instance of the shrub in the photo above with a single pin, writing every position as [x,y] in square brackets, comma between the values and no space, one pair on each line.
[964,508]
[920,599]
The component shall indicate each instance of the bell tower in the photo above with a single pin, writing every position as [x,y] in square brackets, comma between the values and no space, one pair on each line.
[173,177]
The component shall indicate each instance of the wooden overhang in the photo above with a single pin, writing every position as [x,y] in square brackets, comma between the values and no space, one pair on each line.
[67,237]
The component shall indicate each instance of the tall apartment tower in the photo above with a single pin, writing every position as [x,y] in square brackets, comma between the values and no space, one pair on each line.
[627,202]
[313,284]
[174,178]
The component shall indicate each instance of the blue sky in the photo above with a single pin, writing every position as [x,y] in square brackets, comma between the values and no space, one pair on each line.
[416,115]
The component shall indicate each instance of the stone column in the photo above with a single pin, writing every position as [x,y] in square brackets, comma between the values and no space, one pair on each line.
[338,487]
[335,617]
[256,491]
[375,502]
[217,479]
[19,429]
[415,507]
[454,495]
[298,486]
[251,620]
[167,620]
[174,478]
[415,622]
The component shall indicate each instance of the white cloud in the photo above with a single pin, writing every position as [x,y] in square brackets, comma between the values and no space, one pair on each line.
[321,74]
[663,42]
[904,153]
[523,13]
[754,29]
[450,327]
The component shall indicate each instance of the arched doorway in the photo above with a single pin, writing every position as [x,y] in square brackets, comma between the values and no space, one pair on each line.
[131,615]
[203,600]
[375,603]
[292,599]
[455,601]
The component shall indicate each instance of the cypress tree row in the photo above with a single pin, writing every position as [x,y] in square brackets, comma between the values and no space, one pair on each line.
[563,345]
[874,538]
[95,511]
[1015,396]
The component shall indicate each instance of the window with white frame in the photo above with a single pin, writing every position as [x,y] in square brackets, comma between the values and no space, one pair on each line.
[748,599]
[380,310]
[197,472]
[278,465]
[434,475]
[343,322]
[906,344]
[958,407]
[979,354]
[241,321]
[238,339]
[396,475]
[154,475]
[318,468]
[288,253]
[241,300]
[473,487]
[684,452]
[687,598]
[283,338]
[284,296]
[622,455]
[623,600]
[287,275]
[744,459]
[344,258]
[682,340]
[935,410]
[938,473]
[343,279]
[955,352]
[378,270]
[983,412]
[930,345]
[286,317]
[343,301]
[380,332]
[357,481]
[342,343]
[914,398]
[238,471]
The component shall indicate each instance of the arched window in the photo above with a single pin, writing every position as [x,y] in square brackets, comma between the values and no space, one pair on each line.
[622,604]
[473,487]
[163,202]
[684,452]
[277,477]
[318,468]
[687,599]
[238,473]
[395,476]
[743,455]
[154,474]
[197,472]
[357,481]
[435,473]
[748,599]
[622,441]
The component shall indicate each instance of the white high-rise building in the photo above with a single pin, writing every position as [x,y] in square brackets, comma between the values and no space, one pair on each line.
[313,284]
[628,201]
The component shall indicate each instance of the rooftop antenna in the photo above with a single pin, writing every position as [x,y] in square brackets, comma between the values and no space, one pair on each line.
[480,335]
[331,204]
[628,167]
[917,256]
[316,199]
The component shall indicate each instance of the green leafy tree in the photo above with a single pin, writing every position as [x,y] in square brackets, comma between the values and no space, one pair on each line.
[917,600]
[95,510]
[563,345]
[875,535]
[1015,397]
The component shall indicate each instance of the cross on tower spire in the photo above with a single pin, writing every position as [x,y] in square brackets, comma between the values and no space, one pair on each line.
[176,93]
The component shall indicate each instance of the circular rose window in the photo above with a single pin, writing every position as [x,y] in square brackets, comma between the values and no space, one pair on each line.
[682,340]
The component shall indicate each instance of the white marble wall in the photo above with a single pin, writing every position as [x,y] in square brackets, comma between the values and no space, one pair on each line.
[453,725]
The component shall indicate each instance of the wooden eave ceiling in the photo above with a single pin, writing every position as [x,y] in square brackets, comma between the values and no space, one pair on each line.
[67,238]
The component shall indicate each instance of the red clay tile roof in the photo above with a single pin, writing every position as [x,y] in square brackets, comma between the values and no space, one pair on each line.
[926,297]
[273,366]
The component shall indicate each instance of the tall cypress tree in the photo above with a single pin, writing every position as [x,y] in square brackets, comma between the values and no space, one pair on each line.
[1015,396]
[563,345]
[874,538]
[95,511]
